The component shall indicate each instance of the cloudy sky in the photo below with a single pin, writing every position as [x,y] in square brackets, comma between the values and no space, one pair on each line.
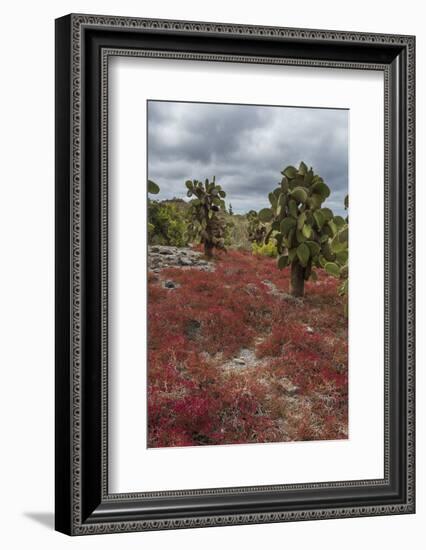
[245,147]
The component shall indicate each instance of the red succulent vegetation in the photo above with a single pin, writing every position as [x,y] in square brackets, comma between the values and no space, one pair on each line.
[293,387]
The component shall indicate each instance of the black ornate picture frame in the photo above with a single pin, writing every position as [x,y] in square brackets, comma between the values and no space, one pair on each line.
[84,43]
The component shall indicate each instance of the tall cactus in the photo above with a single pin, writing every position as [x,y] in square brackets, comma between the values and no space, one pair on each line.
[256,229]
[301,226]
[206,223]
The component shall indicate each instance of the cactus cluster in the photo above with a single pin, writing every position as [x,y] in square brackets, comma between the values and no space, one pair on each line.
[306,233]
[256,229]
[206,222]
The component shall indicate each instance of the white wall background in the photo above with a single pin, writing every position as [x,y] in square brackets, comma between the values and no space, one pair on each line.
[26,289]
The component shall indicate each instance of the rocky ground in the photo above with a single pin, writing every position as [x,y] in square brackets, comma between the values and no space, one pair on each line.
[160,257]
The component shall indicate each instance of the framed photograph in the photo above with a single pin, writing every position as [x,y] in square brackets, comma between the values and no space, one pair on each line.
[234,274]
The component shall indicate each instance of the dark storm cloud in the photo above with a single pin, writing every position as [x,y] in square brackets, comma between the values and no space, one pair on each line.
[245,147]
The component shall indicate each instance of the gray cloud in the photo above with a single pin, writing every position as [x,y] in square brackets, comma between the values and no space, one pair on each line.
[245,147]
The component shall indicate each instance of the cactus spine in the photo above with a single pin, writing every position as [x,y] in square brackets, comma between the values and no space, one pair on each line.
[206,223]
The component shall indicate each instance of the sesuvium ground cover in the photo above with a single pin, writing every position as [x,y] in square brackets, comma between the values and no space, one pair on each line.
[234,358]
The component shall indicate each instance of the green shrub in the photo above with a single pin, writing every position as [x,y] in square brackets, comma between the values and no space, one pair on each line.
[229,231]
[269,249]
[166,224]
[236,232]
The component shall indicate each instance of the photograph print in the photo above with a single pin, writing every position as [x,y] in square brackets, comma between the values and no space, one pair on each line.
[248,244]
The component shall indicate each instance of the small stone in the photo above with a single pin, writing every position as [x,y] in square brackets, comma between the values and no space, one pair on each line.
[166,252]
[251,289]
[169,284]
[154,249]
[185,261]
[157,270]
[310,330]
[340,367]
[192,329]
[239,361]
[288,387]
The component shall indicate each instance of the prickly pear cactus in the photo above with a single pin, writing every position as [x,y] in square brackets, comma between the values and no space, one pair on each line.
[206,222]
[339,245]
[153,188]
[256,229]
[303,228]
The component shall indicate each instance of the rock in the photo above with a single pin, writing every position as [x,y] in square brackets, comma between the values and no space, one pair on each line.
[270,285]
[185,261]
[246,359]
[288,387]
[162,256]
[192,329]
[310,330]
[251,289]
[169,284]
[340,367]
[283,295]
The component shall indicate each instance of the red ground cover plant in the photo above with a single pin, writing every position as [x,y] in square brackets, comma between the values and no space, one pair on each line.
[293,382]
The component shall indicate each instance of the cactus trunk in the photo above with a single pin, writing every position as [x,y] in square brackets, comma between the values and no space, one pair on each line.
[297,286]
[208,249]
